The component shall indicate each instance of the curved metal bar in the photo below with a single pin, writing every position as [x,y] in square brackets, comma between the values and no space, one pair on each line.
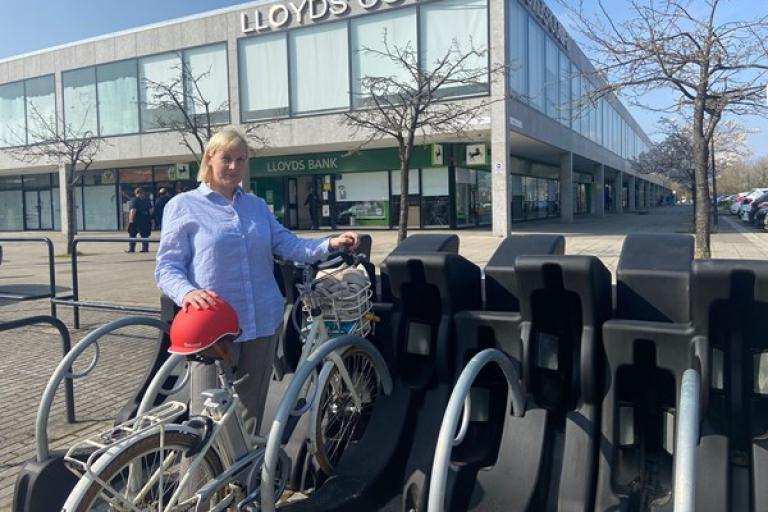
[439,479]
[44,410]
[72,375]
[686,441]
[292,394]
[156,385]
[465,412]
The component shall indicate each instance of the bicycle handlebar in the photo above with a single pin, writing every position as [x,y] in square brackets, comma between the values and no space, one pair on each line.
[338,257]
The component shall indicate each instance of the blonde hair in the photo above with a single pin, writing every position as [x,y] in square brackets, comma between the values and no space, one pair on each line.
[227,138]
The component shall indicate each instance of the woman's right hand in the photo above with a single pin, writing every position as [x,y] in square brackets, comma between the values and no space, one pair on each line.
[199,299]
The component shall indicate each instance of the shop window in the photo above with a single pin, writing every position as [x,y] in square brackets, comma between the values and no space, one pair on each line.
[12,120]
[399,27]
[319,68]
[100,203]
[80,103]
[484,204]
[12,212]
[414,208]
[263,77]
[41,109]
[466,190]
[159,79]
[116,84]
[207,82]
[435,209]
[459,24]
[130,179]
[362,199]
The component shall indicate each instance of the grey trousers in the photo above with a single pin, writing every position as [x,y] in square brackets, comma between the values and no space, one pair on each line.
[254,358]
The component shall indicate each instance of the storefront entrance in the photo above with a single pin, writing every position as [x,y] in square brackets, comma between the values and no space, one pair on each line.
[38,210]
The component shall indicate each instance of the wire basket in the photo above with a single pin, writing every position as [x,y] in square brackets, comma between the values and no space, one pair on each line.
[344,297]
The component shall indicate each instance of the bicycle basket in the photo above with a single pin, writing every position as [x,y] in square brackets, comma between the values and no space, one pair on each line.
[344,296]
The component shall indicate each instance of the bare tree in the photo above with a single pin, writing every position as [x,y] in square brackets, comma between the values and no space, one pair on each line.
[73,147]
[412,100]
[711,67]
[181,105]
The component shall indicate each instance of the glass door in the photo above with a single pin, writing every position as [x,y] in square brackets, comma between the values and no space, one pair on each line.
[292,221]
[32,209]
[325,204]
[46,209]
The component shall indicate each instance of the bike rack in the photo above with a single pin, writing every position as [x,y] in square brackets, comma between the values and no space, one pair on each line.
[685,442]
[44,482]
[74,299]
[287,404]
[460,402]
[51,275]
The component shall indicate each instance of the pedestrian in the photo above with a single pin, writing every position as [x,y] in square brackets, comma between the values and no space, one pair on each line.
[163,196]
[139,219]
[218,241]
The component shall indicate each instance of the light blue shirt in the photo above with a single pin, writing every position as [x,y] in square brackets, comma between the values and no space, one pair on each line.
[208,243]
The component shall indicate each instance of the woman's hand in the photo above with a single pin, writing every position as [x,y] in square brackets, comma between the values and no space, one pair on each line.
[200,299]
[347,241]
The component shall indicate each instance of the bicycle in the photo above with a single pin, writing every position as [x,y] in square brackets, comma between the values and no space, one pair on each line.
[210,462]
[341,395]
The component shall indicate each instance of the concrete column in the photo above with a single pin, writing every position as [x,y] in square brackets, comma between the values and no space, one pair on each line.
[631,192]
[598,191]
[618,192]
[63,200]
[501,183]
[566,188]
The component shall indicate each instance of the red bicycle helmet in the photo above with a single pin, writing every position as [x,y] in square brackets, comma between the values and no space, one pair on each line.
[194,330]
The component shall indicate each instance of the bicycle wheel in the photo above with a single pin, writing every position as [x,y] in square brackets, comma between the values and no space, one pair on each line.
[339,421]
[144,456]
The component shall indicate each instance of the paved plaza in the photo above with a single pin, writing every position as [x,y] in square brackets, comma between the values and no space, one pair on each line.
[29,355]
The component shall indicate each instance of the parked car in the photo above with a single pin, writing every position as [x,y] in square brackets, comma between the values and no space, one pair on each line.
[748,211]
[746,202]
[762,210]
[737,202]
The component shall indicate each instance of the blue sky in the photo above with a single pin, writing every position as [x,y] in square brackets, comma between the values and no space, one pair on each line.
[30,25]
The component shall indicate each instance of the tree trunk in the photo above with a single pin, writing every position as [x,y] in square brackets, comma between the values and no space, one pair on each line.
[69,183]
[700,165]
[405,164]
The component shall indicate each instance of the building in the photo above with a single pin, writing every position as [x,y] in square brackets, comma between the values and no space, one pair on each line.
[296,66]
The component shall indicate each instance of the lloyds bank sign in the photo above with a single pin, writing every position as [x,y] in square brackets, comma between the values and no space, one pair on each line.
[298,12]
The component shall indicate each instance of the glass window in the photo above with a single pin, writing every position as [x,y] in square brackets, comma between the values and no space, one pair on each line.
[12,122]
[319,68]
[565,89]
[399,28]
[518,48]
[536,64]
[160,81]
[362,199]
[551,84]
[459,24]
[207,82]
[37,181]
[12,212]
[466,191]
[80,103]
[117,88]
[484,206]
[41,109]
[263,77]
[414,209]
[100,207]
[577,109]
[434,192]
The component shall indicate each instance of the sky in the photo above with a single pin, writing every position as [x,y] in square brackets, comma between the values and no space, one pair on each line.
[29,25]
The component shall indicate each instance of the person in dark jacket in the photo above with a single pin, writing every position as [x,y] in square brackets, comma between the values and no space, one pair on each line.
[157,214]
[139,219]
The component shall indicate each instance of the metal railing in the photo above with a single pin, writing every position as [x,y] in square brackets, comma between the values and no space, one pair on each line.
[74,299]
[686,441]
[51,274]
[66,345]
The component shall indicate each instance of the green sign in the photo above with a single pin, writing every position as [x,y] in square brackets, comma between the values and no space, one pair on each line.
[329,163]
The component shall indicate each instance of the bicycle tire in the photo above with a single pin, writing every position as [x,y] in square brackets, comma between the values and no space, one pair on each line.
[138,452]
[331,438]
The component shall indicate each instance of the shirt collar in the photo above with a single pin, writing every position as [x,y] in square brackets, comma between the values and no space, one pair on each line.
[205,190]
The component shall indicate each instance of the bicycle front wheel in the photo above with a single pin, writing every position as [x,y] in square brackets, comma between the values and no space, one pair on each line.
[340,421]
[155,473]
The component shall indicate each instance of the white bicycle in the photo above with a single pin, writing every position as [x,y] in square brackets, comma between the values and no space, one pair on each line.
[335,300]
[209,463]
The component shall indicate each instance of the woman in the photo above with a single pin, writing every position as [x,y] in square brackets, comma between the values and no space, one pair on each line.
[219,241]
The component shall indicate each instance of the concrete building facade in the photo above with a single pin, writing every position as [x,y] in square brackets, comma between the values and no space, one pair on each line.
[290,69]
